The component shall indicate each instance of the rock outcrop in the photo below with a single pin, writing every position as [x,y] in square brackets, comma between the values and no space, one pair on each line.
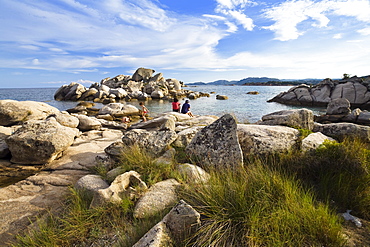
[354,89]
[142,85]
[301,118]
[217,144]
[40,141]
[262,139]
[17,112]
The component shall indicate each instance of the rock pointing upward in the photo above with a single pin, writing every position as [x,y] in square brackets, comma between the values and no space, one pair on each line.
[217,144]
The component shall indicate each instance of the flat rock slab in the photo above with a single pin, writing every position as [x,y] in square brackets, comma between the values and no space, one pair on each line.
[35,196]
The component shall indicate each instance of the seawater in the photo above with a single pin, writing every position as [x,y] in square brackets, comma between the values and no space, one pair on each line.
[245,107]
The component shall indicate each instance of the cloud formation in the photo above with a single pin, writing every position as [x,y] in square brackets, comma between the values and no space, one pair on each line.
[278,39]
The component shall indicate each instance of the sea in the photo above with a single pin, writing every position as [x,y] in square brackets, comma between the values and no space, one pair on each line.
[246,108]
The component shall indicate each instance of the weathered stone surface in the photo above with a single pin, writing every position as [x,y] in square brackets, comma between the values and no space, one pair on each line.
[197,121]
[158,236]
[121,187]
[142,74]
[182,220]
[115,149]
[4,133]
[91,184]
[185,136]
[262,139]
[88,123]
[193,173]
[25,202]
[39,142]
[339,131]
[339,106]
[166,122]
[13,112]
[118,110]
[313,141]
[167,157]
[155,142]
[354,89]
[302,118]
[159,197]
[217,144]
[65,119]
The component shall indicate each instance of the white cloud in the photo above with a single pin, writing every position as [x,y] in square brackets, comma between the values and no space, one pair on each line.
[365,31]
[234,11]
[288,15]
[338,36]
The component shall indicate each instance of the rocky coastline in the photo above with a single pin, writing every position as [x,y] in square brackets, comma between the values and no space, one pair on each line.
[354,89]
[62,147]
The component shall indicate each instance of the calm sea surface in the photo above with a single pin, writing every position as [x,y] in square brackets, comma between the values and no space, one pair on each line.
[246,107]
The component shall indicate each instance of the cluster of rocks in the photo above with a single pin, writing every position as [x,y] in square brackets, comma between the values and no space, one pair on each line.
[37,133]
[216,142]
[354,89]
[339,110]
[142,85]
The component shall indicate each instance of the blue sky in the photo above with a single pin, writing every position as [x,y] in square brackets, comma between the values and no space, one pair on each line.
[54,42]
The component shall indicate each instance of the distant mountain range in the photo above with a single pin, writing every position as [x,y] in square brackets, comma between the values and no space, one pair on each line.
[260,81]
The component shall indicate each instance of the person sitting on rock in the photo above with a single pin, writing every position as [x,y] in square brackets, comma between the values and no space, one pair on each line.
[176,105]
[186,108]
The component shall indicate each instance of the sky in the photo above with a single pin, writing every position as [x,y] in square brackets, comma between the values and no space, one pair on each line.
[56,42]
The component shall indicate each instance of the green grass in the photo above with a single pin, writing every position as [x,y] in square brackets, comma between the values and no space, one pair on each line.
[137,159]
[258,206]
[338,173]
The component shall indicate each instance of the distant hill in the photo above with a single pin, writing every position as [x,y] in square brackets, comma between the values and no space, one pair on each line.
[260,81]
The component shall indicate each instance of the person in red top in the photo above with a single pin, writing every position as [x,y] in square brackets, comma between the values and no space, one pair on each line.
[176,105]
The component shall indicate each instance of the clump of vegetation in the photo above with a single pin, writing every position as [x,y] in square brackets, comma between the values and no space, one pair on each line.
[258,206]
[338,173]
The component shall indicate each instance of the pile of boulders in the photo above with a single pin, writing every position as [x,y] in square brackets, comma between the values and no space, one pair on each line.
[142,85]
[354,89]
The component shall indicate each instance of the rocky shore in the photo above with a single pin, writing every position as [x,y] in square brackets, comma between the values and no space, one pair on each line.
[62,147]
[354,89]
[142,85]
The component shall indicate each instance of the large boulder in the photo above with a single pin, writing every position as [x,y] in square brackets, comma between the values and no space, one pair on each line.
[166,122]
[314,140]
[302,118]
[261,139]
[88,123]
[340,131]
[175,227]
[142,74]
[40,142]
[155,142]
[90,184]
[339,106]
[14,112]
[217,144]
[65,119]
[159,197]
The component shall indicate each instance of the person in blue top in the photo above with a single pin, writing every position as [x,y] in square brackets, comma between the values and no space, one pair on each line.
[186,108]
